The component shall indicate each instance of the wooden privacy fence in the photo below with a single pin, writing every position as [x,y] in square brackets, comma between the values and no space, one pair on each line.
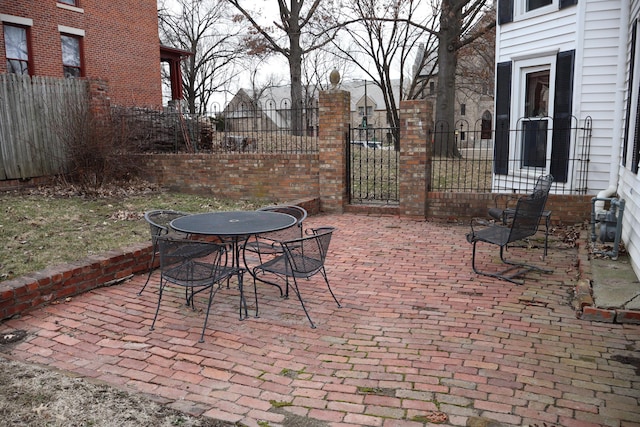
[30,112]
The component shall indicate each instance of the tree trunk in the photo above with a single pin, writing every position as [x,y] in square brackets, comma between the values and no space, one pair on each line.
[295,72]
[448,37]
[295,69]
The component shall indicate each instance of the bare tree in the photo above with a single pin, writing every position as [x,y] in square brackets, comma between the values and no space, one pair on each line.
[300,29]
[457,29]
[448,27]
[202,27]
[383,40]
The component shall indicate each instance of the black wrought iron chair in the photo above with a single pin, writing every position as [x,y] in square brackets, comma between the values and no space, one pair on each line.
[268,244]
[505,207]
[526,218]
[301,258]
[159,220]
[197,266]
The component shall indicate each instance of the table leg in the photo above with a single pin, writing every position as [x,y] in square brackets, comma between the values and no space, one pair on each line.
[236,264]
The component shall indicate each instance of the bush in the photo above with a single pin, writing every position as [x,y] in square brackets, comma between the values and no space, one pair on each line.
[95,152]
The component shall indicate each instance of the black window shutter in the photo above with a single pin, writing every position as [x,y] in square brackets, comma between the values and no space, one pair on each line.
[505,11]
[567,3]
[636,142]
[632,61]
[562,117]
[503,116]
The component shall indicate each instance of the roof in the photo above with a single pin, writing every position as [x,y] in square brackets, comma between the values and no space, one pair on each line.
[279,97]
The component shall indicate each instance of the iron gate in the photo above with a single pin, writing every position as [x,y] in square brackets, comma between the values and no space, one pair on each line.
[372,165]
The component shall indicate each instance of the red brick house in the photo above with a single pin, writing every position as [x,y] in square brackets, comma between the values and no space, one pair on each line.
[116,41]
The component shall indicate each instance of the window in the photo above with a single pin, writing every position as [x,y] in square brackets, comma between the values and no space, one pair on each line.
[536,4]
[535,126]
[536,102]
[541,105]
[69,2]
[485,132]
[369,111]
[510,10]
[71,58]
[463,109]
[16,45]
[432,88]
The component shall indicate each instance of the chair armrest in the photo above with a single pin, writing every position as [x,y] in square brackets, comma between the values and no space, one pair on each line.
[474,224]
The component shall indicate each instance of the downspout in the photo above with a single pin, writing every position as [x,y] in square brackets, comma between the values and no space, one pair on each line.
[616,140]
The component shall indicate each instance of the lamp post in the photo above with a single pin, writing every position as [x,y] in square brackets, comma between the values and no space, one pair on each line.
[365,120]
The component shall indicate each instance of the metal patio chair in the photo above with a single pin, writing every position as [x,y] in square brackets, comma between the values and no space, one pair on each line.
[158,221]
[267,244]
[505,207]
[301,258]
[526,218]
[197,266]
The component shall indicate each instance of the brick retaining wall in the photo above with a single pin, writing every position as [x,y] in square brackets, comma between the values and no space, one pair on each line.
[236,176]
[66,280]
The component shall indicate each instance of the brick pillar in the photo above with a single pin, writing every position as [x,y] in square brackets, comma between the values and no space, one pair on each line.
[415,159]
[335,106]
[99,102]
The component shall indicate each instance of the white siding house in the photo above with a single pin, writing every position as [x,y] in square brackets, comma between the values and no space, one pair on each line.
[578,61]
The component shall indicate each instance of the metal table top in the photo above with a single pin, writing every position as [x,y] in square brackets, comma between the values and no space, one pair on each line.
[233,223]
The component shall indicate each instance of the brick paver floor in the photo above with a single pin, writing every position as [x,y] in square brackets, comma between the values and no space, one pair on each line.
[419,333]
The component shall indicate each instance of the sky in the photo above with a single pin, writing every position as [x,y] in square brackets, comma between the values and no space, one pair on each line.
[276,65]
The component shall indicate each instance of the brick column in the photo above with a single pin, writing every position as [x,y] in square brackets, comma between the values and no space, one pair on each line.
[99,101]
[415,159]
[335,106]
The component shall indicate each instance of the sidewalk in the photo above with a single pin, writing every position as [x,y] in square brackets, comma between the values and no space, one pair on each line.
[419,336]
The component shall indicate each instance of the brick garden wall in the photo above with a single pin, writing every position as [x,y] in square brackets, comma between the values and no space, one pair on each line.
[461,207]
[66,280]
[240,176]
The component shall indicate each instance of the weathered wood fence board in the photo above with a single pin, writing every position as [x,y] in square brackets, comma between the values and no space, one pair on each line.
[30,112]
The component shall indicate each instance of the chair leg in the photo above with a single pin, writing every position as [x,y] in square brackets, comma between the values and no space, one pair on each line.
[158,307]
[255,294]
[243,301]
[522,268]
[500,275]
[297,291]
[153,258]
[206,316]
[326,280]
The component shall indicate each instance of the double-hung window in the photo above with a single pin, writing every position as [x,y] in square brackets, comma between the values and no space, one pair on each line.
[535,123]
[71,55]
[16,46]
[69,2]
[534,97]
[510,10]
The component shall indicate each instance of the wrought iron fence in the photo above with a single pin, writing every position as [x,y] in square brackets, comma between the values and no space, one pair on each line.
[471,165]
[270,127]
[241,127]
[372,166]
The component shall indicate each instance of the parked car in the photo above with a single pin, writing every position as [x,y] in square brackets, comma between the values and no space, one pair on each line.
[368,144]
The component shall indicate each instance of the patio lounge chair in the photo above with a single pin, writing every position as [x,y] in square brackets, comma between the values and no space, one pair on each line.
[159,220]
[301,259]
[268,244]
[505,207]
[197,266]
[526,217]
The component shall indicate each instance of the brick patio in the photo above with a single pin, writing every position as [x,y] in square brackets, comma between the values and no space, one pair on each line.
[418,333]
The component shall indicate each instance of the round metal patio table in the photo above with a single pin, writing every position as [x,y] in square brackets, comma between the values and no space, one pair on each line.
[233,227]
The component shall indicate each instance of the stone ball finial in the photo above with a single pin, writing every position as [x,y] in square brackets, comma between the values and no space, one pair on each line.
[334,78]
